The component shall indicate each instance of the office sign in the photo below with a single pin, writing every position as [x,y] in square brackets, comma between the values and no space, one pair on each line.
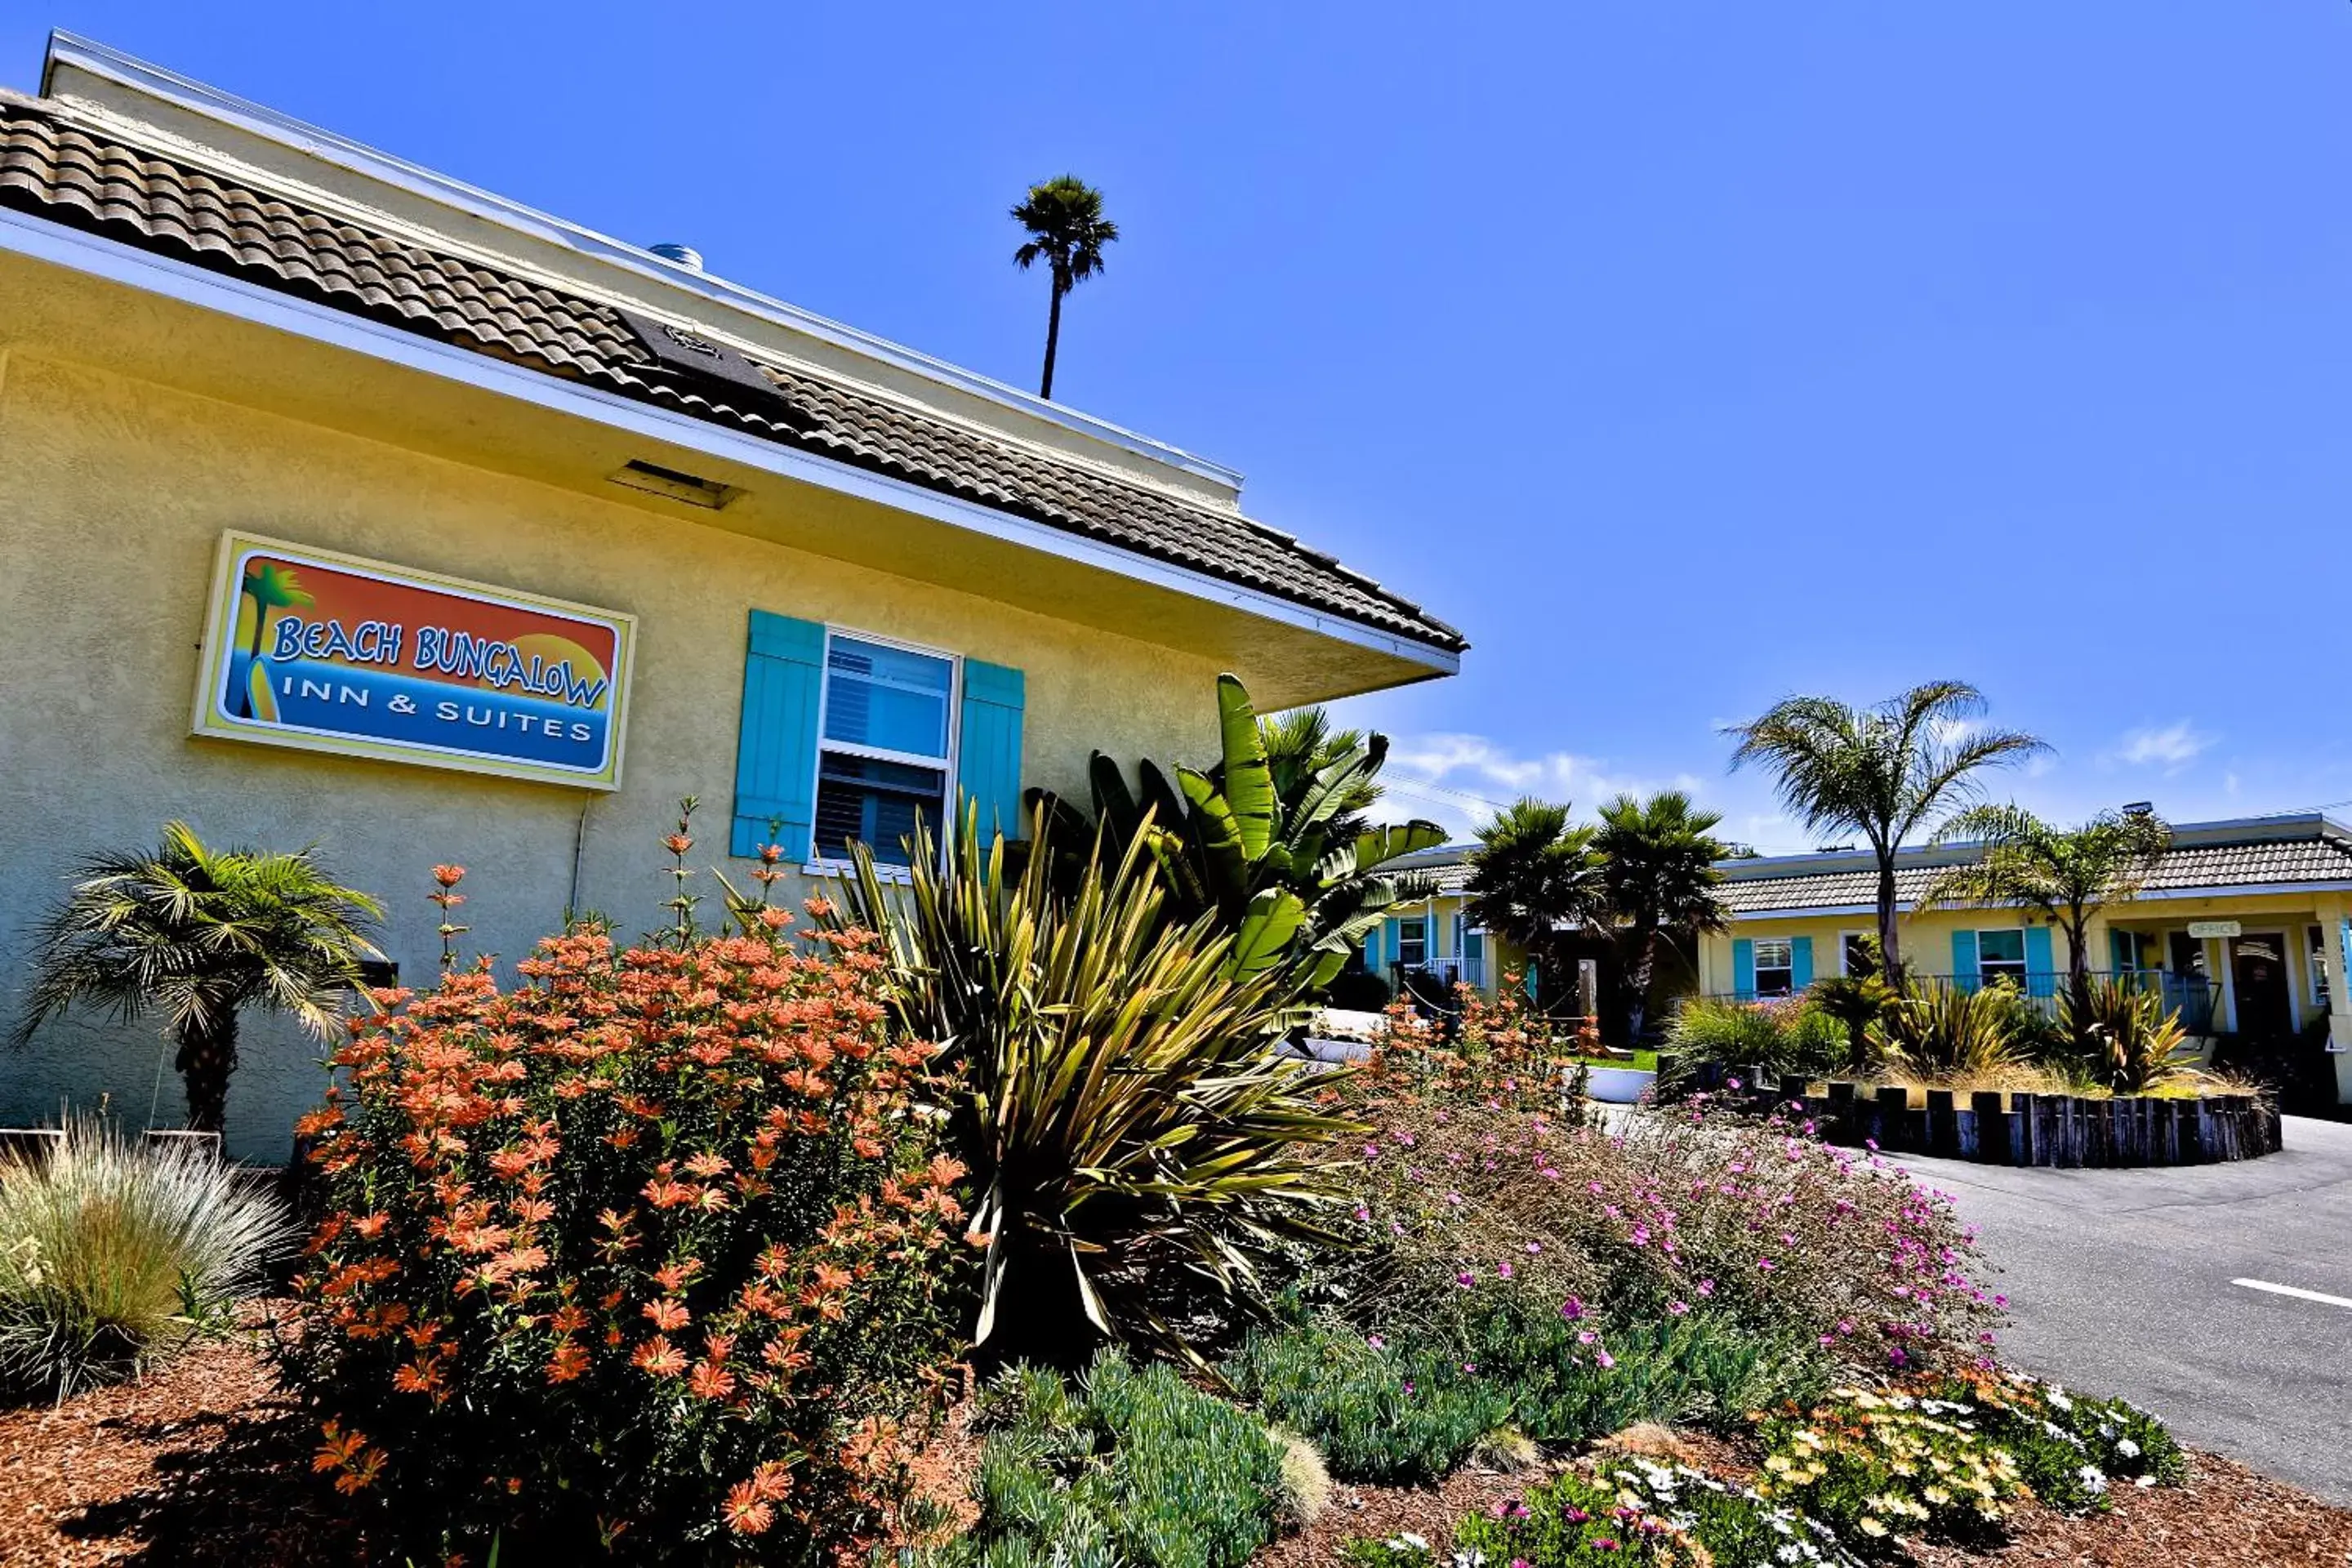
[330,653]
[2215,929]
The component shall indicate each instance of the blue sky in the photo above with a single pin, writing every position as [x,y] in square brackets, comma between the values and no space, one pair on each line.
[1684,355]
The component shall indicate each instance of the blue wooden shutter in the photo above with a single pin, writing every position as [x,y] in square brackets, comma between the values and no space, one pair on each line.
[988,749]
[1801,962]
[1964,960]
[1743,969]
[1392,942]
[2041,965]
[775,748]
[2121,952]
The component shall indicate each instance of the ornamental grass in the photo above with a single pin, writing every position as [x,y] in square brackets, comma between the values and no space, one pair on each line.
[114,1255]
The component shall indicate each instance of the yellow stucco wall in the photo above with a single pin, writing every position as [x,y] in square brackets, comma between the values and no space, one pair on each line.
[1926,937]
[113,493]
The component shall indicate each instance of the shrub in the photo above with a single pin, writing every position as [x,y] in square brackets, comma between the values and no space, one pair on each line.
[1134,1465]
[1572,1523]
[2123,1037]
[1794,1242]
[1941,1033]
[2069,1447]
[1874,1468]
[649,1255]
[1786,1036]
[1134,1131]
[1737,1525]
[1414,1410]
[111,1257]
[1359,991]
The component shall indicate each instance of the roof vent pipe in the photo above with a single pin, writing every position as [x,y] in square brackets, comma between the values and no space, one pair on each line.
[684,255]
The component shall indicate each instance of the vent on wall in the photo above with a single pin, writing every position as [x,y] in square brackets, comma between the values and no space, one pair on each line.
[691,489]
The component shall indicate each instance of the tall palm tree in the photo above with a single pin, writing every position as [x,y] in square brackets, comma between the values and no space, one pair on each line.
[198,934]
[2068,874]
[272,587]
[1534,874]
[1299,745]
[1886,771]
[1067,231]
[1657,866]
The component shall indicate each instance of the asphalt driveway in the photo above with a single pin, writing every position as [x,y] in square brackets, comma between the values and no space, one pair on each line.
[2127,1282]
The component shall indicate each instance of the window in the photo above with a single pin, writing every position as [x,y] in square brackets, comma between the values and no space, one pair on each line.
[882,753]
[1776,966]
[1857,949]
[2001,955]
[1413,944]
[2316,967]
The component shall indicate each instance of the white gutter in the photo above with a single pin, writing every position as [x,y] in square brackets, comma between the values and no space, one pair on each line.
[42,240]
[2251,890]
[258,119]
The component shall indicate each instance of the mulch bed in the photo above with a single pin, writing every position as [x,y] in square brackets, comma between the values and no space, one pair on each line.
[207,1465]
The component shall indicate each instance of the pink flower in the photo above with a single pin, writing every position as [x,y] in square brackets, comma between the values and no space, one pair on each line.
[1571,1309]
[1603,1360]
[1706,1287]
[1765,1264]
[1678,1307]
[1586,1337]
[1467,1278]
[1377,1342]
[1534,1248]
[1504,1269]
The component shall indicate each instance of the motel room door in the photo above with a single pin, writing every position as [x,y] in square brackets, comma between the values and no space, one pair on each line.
[2259,976]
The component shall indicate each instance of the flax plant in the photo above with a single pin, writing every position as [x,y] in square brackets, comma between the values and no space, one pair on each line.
[1129,1111]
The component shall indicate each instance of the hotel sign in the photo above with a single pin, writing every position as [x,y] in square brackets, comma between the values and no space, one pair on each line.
[2212,930]
[330,653]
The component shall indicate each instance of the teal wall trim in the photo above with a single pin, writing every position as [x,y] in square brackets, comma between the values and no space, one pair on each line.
[1801,962]
[1964,960]
[1743,967]
[988,750]
[2041,964]
[775,746]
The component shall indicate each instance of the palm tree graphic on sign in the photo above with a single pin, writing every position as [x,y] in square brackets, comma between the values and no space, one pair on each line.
[270,587]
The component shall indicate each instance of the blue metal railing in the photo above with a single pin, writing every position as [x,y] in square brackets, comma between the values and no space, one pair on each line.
[2189,995]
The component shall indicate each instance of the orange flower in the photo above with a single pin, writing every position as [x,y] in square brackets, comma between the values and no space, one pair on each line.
[710,1381]
[746,1514]
[659,1357]
[568,1362]
[667,1315]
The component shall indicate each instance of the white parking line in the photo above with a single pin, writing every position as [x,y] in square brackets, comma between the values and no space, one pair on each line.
[2298,1293]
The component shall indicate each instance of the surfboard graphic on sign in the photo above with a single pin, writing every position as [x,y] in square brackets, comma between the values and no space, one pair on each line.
[322,651]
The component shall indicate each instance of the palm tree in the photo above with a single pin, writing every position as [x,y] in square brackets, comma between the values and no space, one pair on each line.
[1067,228]
[271,588]
[2068,874]
[198,934]
[1534,874]
[1657,866]
[1299,745]
[1885,772]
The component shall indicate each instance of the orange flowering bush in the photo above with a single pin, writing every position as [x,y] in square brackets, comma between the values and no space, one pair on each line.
[648,1257]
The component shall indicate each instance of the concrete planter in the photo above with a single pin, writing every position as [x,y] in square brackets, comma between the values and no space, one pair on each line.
[1615,1086]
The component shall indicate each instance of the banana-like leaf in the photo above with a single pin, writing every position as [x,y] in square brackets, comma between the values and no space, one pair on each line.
[1248,779]
[1376,846]
[1265,938]
[1115,805]
[1218,834]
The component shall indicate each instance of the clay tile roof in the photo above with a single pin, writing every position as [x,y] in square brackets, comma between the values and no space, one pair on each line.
[2186,868]
[52,166]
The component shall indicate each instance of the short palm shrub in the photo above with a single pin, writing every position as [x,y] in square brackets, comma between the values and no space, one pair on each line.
[1130,1466]
[1138,1139]
[1941,1033]
[112,1256]
[654,1256]
[198,934]
[2123,1037]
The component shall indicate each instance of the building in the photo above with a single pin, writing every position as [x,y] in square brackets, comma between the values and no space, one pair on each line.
[2240,926]
[1436,935]
[468,535]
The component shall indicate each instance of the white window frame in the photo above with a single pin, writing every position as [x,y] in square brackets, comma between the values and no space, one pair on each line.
[1787,967]
[1423,922]
[1986,976]
[2315,966]
[1845,941]
[819,864]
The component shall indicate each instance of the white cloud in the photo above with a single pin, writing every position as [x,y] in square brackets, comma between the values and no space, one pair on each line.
[1460,781]
[2173,747]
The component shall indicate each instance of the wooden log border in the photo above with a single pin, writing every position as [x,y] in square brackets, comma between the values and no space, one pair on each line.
[2062,1131]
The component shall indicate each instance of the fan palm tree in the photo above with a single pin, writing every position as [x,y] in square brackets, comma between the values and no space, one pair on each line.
[1299,745]
[1067,231]
[198,934]
[2067,874]
[1657,868]
[1534,874]
[271,588]
[1885,772]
